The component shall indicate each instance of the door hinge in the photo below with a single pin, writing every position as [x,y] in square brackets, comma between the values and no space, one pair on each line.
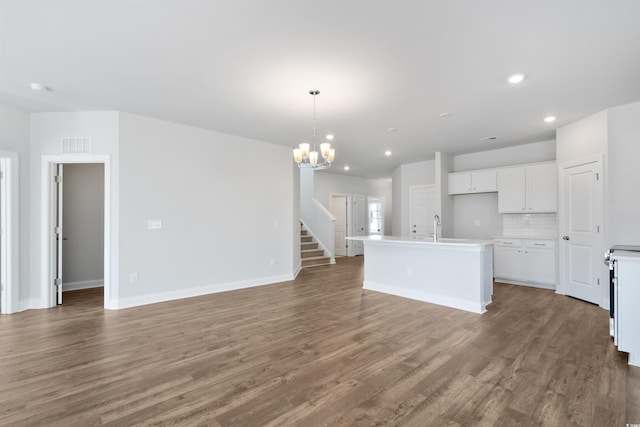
[597,176]
[57,282]
[598,281]
[58,179]
[1,174]
[598,228]
[57,230]
[346,246]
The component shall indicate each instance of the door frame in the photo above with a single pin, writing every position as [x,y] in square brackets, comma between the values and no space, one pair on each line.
[415,187]
[349,222]
[47,221]
[381,199]
[353,221]
[9,221]
[599,245]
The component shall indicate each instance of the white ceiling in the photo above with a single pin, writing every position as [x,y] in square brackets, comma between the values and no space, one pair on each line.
[245,67]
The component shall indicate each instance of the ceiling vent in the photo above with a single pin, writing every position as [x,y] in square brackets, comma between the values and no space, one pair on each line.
[489,138]
[76,146]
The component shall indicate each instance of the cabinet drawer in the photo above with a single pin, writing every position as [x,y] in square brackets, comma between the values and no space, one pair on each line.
[508,242]
[540,244]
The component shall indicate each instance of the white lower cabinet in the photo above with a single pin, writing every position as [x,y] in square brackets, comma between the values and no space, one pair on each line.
[525,261]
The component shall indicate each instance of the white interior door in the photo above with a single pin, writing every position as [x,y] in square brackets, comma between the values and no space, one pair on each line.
[581,201]
[359,222]
[423,209]
[58,232]
[339,211]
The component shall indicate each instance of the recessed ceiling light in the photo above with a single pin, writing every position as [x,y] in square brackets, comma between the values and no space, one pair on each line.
[387,153]
[392,130]
[38,87]
[516,78]
[550,119]
[330,137]
[346,167]
[446,114]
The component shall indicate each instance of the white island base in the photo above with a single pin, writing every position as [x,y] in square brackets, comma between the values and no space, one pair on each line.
[456,273]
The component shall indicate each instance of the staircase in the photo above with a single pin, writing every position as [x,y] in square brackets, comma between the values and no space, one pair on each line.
[310,254]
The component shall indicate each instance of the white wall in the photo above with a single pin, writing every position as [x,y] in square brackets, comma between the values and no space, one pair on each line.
[396,191]
[327,183]
[83,225]
[582,139]
[527,153]
[225,224]
[295,220]
[14,137]
[482,209]
[623,179]
[419,173]
[444,165]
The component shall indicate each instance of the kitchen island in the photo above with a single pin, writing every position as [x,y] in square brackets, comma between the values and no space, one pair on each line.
[455,273]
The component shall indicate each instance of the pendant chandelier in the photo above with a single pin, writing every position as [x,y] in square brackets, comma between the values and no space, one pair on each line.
[304,157]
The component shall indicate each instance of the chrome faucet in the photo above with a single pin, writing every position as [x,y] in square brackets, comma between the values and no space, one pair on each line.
[436,223]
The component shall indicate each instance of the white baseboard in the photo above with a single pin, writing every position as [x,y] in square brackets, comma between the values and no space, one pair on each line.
[195,292]
[298,270]
[29,304]
[84,284]
[426,297]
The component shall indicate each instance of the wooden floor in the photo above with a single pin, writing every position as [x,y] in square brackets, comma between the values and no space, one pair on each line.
[313,352]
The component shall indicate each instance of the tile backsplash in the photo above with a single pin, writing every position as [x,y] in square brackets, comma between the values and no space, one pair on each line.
[541,224]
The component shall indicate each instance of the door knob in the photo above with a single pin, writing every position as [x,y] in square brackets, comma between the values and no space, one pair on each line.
[565,237]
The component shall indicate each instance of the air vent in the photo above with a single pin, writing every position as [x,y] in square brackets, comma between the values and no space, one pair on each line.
[489,138]
[76,146]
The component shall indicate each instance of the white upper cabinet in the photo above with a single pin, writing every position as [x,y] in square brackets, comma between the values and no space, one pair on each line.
[528,189]
[480,181]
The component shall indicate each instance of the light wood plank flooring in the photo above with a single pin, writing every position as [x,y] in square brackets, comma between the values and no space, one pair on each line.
[316,351]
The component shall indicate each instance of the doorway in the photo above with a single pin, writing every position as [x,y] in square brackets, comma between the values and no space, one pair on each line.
[375,216]
[80,259]
[581,218]
[422,200]
[82,226]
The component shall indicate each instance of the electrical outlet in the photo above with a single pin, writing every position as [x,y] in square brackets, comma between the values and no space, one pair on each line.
[477,222]
[272,262]
[133,278]
[154,224]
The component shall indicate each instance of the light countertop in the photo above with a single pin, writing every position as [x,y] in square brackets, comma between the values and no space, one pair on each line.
[426,242]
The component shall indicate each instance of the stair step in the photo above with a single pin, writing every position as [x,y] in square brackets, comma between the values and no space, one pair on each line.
[303,232]
[305,239]
[315,261]
[308,245]
[311,253]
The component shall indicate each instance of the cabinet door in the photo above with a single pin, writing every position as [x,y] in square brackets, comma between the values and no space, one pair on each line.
[542,188]
[459,183]
[507,262]
[511,190]
[540,265]
[484,181]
